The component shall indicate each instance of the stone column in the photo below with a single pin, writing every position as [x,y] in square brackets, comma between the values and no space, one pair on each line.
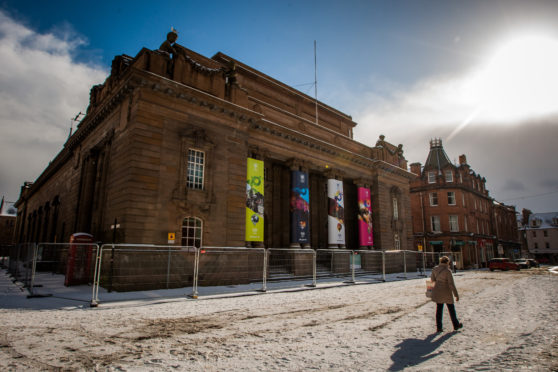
[299,205]
[336,210]
[364,214]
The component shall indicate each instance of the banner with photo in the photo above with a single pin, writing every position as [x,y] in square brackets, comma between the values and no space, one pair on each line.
[255,201]
[336,213]
[365,217]
[300,208]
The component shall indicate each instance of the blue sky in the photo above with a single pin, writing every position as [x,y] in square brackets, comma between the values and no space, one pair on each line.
[411,70]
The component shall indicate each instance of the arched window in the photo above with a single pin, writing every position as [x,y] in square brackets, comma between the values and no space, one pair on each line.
[192,228]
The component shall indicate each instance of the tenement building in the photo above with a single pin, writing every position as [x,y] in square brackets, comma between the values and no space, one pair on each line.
[216,153]
[453,212]
[541,234]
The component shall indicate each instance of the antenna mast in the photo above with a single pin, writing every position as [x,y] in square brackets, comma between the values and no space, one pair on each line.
[316,81]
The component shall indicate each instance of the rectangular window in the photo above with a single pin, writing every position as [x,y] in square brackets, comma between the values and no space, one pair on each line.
[433,199]
[192,232]
[395,209]
[474,184]
[454,223]
[449,176]
[465,223]
[536,245]
[196,163]
[451,198]
[463,198]
[547,245]
[545,233]
[435,220]
[534,234]
[431,177]
[460,178]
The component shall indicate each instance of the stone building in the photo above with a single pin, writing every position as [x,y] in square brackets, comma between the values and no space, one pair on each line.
[541,234]
[506,230]
[8,215]
[453,212]
[166,146]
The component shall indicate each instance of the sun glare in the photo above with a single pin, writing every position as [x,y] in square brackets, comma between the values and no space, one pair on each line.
[519,81]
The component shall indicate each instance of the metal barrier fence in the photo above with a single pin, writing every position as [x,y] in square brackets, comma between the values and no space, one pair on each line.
[114,272]
[20,262]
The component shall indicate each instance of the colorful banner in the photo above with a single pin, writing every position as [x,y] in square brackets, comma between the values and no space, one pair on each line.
[255,201]
[300,208]
[336,213]
[364,217]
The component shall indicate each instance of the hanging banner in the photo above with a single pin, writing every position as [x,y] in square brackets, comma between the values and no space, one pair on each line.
[364,217]
[255,201]
[336,214]
[300,208]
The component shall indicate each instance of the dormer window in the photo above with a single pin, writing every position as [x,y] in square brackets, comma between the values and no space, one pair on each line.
[449,176]
[555,221]
[431,177]
[535,222]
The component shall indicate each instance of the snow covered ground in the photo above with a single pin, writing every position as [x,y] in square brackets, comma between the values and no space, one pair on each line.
[510,323]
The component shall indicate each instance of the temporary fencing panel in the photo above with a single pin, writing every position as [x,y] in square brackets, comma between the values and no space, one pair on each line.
[155,271]
[220,267]
[50,269]
[290,268]
[371,266]
[20,264]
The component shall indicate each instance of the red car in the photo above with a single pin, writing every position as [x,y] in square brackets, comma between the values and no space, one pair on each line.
[502,264]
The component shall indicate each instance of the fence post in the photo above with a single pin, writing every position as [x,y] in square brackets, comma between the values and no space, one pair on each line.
[352,263]
[264,279]
[405,264]
[196,272]
[33,268]
[384,266]
[314,270]
[424,263]
[96,279]
[168,267]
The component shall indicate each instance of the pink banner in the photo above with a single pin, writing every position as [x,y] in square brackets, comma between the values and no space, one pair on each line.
[364,217]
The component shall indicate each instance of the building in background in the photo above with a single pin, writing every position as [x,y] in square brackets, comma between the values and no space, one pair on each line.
[210,151]
[541,235]
[8,214]
[453,212]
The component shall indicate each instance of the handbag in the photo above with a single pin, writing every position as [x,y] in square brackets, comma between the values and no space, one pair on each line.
[429,287]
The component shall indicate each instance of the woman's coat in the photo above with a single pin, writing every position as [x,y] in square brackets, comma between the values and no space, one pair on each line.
[444,289]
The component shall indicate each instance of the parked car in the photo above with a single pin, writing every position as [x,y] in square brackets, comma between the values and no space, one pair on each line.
[522,262]
[532,262]
[502,264]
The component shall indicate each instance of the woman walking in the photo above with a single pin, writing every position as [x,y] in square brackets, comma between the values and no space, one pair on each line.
[443,293]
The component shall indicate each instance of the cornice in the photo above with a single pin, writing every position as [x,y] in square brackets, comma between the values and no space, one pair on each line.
[316,144]
[436,187]
[196,97]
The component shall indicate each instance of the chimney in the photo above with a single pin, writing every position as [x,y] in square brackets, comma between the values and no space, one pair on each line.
[415,168]
[462,159]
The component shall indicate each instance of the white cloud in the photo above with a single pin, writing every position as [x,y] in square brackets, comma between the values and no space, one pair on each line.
[41,88]
[502,114]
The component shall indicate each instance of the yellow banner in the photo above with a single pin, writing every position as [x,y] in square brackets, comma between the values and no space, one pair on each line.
[255,201]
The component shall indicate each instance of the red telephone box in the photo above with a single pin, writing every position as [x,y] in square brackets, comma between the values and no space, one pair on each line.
[80,259]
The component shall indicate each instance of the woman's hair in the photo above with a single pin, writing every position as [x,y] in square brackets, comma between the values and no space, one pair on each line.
[444,259]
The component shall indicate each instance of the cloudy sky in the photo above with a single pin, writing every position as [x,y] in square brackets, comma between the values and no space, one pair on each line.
[480,75]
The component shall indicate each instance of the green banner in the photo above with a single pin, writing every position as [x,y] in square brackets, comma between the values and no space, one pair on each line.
[255,201]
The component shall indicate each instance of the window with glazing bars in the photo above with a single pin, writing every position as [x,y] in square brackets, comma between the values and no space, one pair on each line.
[196,163]
[192,232]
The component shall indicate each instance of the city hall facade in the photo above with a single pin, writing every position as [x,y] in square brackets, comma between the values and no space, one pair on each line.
[212,152]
